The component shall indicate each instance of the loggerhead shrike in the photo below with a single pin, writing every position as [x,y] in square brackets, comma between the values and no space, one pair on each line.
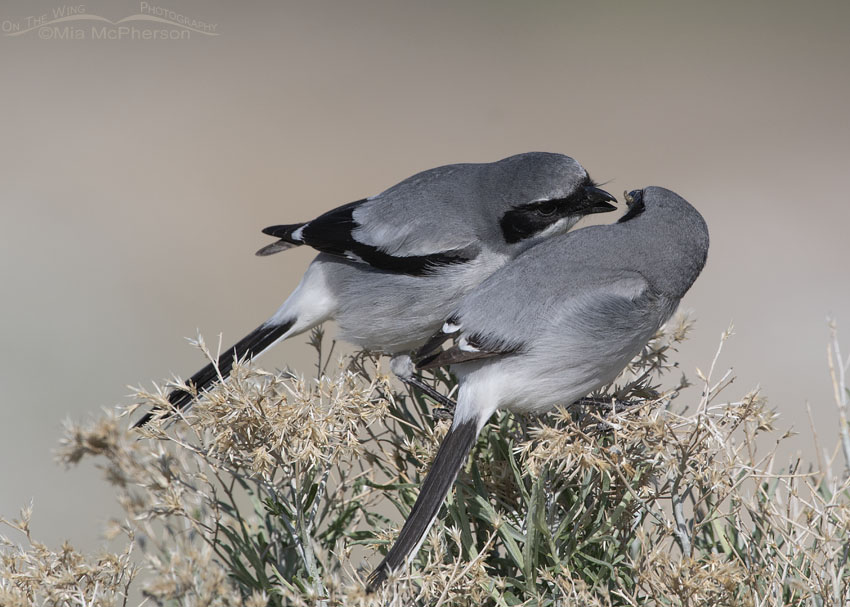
[392,267]
[559,321]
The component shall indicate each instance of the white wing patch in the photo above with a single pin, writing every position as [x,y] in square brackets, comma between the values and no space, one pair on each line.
[450,327]
[354,257]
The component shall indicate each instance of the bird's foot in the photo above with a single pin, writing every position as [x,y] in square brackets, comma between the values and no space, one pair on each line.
[403,368]
[441,413]
[607,407]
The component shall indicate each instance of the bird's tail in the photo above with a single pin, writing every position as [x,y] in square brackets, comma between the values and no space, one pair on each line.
[250,346]
[310,304]
[450,458]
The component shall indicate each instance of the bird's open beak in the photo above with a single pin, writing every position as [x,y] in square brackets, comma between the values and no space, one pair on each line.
[598,200]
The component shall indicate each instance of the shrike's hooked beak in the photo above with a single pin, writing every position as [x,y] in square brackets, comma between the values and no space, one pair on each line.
[598,200]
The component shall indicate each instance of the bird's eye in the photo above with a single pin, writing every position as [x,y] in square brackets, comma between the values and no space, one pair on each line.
[546,208]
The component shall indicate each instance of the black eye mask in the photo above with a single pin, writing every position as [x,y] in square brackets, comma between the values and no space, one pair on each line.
[524,222]
[529,219]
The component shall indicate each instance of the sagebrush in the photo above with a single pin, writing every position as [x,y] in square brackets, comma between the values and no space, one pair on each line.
[280,489]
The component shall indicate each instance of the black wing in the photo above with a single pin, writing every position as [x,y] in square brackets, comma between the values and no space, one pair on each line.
[333,233]
[286,240]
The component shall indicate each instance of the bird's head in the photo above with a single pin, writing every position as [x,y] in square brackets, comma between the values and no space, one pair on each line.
[542,195]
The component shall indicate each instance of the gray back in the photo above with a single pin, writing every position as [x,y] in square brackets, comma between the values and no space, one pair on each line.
[658,253]
[459,205]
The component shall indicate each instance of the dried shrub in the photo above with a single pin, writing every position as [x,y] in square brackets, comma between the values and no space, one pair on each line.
[277,489]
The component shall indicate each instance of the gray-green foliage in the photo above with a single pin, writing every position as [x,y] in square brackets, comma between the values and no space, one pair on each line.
[280,490]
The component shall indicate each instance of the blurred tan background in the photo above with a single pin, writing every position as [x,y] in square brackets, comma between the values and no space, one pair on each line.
[135,176]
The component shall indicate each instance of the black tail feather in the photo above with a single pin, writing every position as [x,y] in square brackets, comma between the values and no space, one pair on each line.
[248,347]
[449,460]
